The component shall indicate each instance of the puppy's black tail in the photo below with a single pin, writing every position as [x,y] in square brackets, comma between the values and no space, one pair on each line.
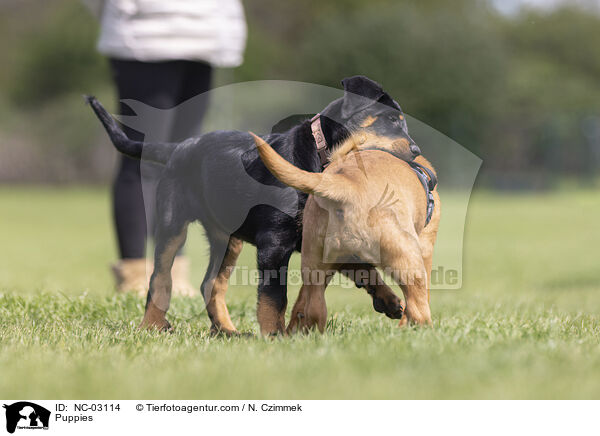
[159,153]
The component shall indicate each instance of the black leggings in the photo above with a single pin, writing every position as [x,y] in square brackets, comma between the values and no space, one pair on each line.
[162,85]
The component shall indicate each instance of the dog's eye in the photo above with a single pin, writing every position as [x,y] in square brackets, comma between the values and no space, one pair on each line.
[393,118]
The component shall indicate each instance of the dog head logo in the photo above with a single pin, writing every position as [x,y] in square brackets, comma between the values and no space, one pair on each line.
[26,415]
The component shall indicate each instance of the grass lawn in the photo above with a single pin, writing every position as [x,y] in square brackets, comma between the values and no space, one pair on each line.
[526,323]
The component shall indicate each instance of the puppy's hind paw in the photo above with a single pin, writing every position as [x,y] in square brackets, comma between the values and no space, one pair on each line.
[296,321]
[393,309]
[397,312]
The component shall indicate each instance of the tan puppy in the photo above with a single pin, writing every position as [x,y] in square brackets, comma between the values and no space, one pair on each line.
[367,205]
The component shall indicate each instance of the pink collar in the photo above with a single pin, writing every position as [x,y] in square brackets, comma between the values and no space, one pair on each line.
[317,132]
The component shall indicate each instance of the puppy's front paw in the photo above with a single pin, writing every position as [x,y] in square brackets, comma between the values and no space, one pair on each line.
[160,325]
[220,331]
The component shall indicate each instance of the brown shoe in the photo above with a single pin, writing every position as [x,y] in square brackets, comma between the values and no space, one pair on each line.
[133,275]
[181,278]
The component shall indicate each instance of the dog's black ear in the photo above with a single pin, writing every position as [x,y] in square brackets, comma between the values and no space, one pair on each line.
[360,93]
[387,100]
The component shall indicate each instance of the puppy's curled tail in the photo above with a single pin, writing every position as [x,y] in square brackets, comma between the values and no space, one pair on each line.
[159,153]
[332,186]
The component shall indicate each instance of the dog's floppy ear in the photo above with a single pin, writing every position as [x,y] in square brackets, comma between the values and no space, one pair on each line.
[360,93]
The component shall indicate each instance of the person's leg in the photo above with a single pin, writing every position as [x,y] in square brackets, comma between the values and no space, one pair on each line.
[193,100]
[157,85]
[128,209]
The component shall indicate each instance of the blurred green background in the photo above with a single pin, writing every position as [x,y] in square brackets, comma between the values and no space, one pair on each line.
[519,89]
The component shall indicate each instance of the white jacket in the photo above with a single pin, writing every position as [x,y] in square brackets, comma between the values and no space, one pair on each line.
[158,30]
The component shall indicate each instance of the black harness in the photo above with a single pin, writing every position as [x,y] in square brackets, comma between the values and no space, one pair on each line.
[429,181]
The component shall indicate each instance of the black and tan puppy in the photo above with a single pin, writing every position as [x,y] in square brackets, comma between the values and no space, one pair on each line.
[219,180]
[369,205]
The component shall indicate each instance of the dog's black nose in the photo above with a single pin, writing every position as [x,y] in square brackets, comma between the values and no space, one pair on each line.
[414,149]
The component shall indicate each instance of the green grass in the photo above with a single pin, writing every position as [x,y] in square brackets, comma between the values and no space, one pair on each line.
[524,325]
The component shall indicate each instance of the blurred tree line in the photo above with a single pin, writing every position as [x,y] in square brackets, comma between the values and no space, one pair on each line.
[521,91]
